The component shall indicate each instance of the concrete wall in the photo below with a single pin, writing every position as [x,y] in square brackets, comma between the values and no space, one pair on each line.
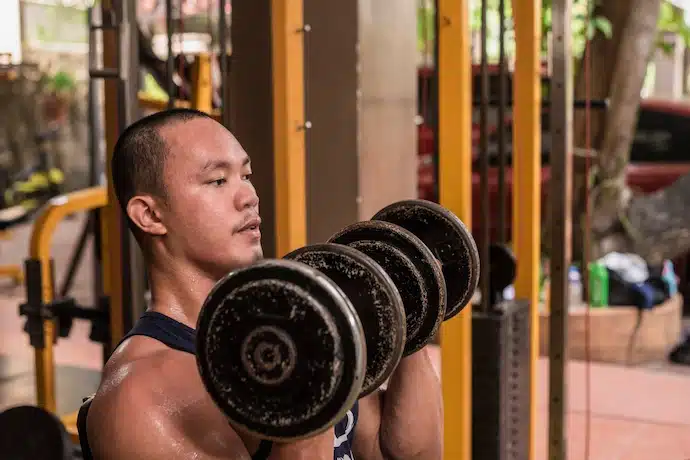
[361,77]
[360,96]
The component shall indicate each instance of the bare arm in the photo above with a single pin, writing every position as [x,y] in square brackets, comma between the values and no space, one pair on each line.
[406,421]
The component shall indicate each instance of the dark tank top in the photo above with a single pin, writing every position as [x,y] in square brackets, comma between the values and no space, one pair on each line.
[181,337]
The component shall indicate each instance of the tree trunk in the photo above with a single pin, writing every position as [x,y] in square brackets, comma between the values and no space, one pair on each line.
[617,71]
[602,51]
[638,42]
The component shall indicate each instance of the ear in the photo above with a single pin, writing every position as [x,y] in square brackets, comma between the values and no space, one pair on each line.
[146,214]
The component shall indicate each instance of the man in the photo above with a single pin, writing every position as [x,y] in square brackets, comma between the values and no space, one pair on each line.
[184,183]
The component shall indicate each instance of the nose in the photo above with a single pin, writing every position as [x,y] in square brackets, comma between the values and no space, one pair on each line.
[246,197]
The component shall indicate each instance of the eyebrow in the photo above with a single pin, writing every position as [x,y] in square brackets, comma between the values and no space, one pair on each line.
[223,164]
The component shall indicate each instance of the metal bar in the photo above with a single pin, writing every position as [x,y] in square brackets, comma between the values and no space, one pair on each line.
[578,104]
[104,73]
[108,23]
[44,358]
[133,267]
[97,277]
[110,219]
[76,258]
[92,55]
[484,156]
[125,274]
[170,60]
[561,192]
[123,230]
[502,102]
[434,102]
[526,213]
[39,292]
[94,124]
[223,56]
[455,193]
[96,169]
[202,89]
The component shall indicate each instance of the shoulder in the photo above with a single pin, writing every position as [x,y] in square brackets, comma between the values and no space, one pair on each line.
[127,404]
[153,406]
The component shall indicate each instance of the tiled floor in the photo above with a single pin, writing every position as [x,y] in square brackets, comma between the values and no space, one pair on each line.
[634,414]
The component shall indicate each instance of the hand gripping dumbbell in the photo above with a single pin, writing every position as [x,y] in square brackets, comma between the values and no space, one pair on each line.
[286,346]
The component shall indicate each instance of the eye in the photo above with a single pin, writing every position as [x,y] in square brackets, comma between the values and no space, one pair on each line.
[247,177]
[218,182]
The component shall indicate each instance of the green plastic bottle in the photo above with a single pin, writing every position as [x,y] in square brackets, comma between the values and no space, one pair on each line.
[598,285]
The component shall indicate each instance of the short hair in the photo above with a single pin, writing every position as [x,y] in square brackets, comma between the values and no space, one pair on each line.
[138,159]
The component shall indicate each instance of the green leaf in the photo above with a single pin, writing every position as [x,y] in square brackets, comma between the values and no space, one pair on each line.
[603,25]
[665,13]
[666,48]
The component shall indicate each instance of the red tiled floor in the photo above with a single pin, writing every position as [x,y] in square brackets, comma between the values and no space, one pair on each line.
[635,414]
[607,437]
[661,442]
[620,392]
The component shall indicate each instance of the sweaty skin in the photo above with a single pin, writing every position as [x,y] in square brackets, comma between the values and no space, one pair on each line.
[151,404]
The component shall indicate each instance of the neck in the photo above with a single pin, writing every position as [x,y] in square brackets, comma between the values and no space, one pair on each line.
[178,291]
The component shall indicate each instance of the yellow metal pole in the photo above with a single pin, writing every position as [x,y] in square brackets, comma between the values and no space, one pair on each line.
[13,272]
[202,89]
[527,175]
[44,358]
[287,25]
[455,193]
[40,249]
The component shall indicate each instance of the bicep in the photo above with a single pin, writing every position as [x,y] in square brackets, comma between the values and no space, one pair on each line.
[366,442]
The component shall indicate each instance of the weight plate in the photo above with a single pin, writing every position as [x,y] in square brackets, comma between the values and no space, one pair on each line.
[448,239]
[375,298]
[31,433]
[280,350]
[412,268]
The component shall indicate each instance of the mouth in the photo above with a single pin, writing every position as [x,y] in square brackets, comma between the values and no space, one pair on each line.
[251,225]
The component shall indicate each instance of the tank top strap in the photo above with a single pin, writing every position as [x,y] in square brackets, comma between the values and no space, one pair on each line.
[166,330]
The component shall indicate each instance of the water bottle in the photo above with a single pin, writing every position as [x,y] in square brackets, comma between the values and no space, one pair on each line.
[598,285]
[575,287]
[668,274]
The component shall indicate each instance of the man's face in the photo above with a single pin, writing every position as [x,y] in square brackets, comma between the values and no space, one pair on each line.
[211,211]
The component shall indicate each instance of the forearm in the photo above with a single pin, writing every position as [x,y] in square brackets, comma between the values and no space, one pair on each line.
[412,412]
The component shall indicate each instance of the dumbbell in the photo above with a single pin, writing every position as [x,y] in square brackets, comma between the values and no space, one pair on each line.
[327,324]
[431,256]
[448,239]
